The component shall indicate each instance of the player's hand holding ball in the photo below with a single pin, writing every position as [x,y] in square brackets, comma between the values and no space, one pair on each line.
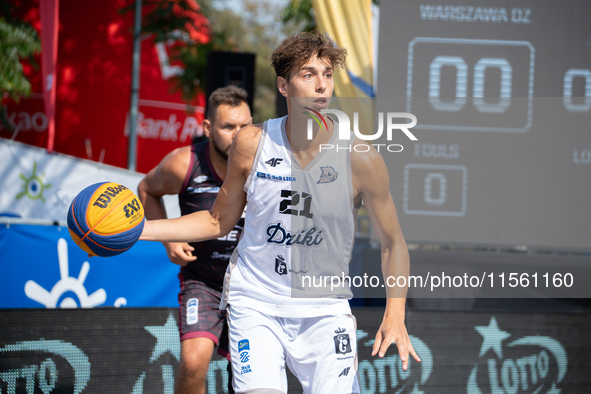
[106,219]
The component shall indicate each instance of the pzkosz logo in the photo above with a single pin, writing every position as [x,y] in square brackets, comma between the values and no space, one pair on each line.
[342,342]
[531,372]
[280,266]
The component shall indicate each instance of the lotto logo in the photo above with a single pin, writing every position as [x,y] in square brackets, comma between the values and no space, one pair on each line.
[481,101]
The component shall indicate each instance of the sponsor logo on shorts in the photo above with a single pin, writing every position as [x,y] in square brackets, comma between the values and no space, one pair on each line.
[280,266]
[192,311]
[243,348]
[345,372]
[245,369]
[309,237]
[342,344]
[211,189]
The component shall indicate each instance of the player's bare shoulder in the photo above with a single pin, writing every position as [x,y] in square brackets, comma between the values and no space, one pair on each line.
[168,176]
[245,145]
[367,167]
[176,161]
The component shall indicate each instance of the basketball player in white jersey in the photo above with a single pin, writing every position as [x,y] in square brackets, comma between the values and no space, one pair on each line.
[299,222]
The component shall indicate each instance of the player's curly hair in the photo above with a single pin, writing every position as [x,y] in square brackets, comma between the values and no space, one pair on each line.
[297,50]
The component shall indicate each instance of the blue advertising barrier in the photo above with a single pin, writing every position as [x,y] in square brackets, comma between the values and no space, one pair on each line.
[41,267]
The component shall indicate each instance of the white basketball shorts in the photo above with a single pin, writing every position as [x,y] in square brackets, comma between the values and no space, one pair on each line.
[320,351]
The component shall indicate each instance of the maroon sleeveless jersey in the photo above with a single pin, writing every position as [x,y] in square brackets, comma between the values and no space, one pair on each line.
[198,193]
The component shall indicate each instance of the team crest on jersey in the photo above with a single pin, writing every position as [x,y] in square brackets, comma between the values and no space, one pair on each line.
[342,344]
[328,175]
[280,266]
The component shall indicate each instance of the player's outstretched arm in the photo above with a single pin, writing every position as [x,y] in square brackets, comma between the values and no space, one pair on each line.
[164,179]
[371,182]
[228,206]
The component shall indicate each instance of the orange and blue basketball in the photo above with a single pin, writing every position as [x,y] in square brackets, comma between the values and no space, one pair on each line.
[106,219]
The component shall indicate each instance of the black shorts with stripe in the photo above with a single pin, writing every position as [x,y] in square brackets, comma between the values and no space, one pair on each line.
[199,314]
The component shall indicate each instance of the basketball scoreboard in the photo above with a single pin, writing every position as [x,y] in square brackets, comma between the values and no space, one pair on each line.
[502,94]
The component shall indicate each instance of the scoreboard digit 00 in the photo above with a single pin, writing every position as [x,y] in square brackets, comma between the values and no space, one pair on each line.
[502,94]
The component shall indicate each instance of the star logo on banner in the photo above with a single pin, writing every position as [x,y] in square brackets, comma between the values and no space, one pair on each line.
[33,186]
[493,336]
[167,339]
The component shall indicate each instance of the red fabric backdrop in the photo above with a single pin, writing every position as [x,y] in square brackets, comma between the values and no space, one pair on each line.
[93,90]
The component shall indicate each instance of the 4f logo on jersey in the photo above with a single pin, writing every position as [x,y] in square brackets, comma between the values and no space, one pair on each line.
[280,266]
[200,178]
[274,162]
[328,175]
[342,344]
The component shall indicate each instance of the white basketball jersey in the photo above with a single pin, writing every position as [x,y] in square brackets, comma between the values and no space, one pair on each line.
[299,231]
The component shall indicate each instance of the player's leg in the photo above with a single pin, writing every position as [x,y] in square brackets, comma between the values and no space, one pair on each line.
[201,324]
[324,355]
[224,351]
[257,355]
[195,357]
